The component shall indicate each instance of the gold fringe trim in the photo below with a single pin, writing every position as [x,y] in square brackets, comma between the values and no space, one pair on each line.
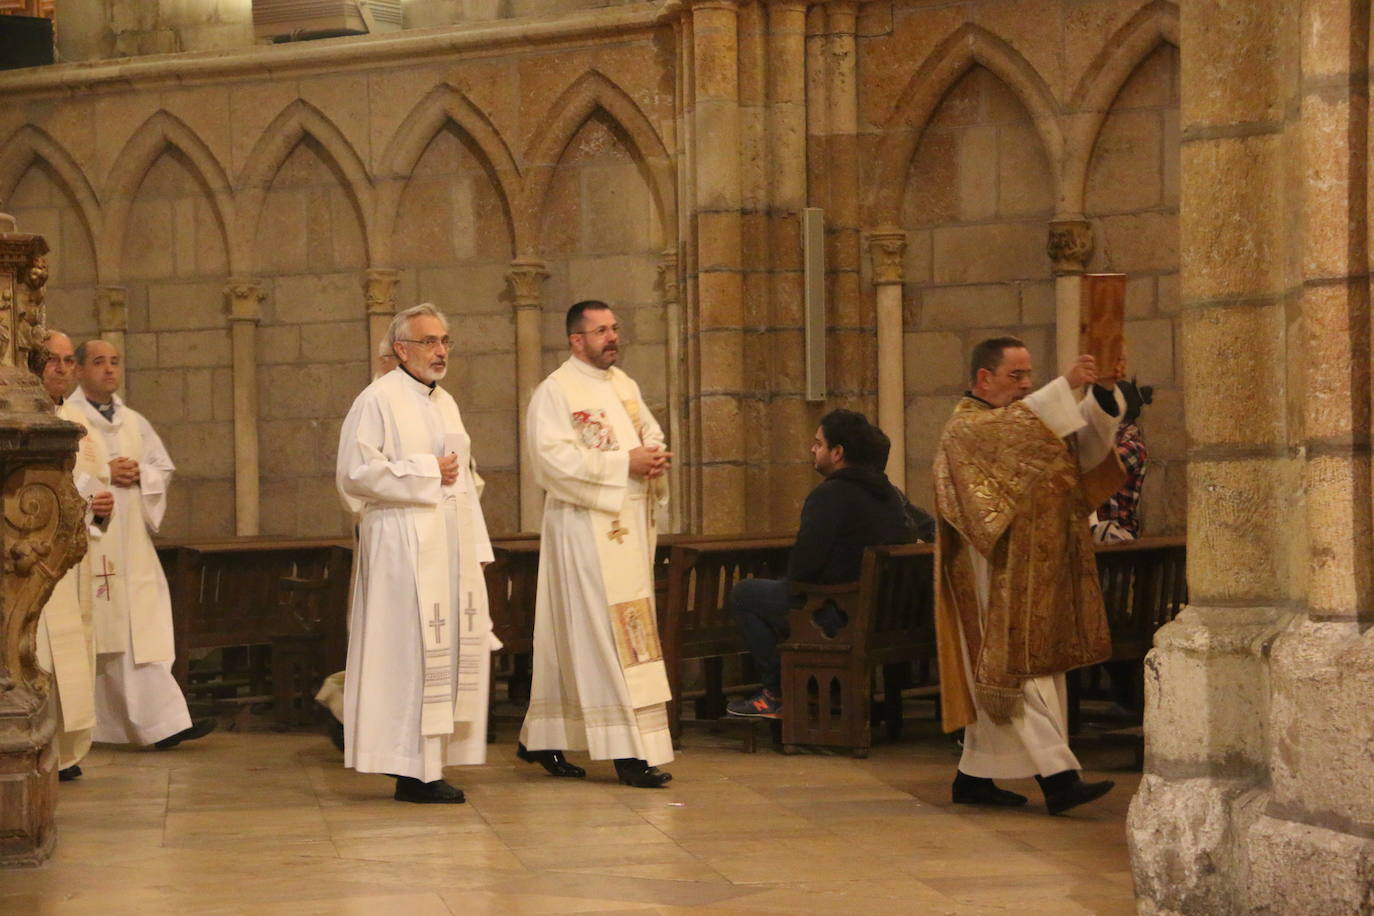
[1001,704]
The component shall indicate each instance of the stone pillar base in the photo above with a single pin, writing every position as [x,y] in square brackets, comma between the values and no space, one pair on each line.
[1300,868]
[28,780]
[1187,842]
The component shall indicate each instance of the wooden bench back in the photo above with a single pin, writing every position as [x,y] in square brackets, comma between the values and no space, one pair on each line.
[1144,586]
[890,609]
[700,576]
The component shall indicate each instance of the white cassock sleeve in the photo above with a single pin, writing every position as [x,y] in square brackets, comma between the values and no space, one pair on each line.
[154,476]
[563,466]
[1094,428]
[366,475]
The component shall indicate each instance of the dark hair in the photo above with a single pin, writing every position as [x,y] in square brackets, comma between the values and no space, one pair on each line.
[574,319]
[1137,396]
[988,354]
[882,447]
[852,431]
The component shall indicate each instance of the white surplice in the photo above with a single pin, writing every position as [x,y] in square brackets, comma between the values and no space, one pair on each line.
[66,638]
[1037,741]
[384,688]
[579,697]
[136,698]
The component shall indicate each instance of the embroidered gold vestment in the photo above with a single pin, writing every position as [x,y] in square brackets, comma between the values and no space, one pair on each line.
[1007,486]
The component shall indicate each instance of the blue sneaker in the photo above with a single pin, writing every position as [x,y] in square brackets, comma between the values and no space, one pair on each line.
[762,705]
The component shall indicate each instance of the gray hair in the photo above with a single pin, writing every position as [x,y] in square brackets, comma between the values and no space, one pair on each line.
[401,325]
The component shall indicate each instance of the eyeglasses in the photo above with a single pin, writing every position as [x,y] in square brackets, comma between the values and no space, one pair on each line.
[601,331]
[64,360]
[429,343]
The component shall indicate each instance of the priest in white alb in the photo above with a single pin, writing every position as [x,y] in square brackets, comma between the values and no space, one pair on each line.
[599,682]
[1018,603]
[420,640]
[137,700]
[66,640]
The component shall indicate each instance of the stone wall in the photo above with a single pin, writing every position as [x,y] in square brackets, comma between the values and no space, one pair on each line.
[656,158]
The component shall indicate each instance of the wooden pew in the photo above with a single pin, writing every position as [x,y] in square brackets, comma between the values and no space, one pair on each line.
[1144,586]
[827,680]
[695,621]
[291,594]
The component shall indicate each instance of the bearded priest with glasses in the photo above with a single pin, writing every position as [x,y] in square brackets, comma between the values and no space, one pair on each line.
[600,683]
[420,640]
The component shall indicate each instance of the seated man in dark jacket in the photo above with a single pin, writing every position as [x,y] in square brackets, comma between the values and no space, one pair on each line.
[853,508]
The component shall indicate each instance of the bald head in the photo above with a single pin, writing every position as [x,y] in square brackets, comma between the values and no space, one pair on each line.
[99,370]
[58,366]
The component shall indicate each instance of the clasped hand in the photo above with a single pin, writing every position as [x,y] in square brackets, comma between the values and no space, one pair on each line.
[123,472]
[649,462]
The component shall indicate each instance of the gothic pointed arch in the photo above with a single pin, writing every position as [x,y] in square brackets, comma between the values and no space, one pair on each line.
[30,144]
[590,93]
[295,123]
[967,47]
[1154,24]
[442,105]
[160,132]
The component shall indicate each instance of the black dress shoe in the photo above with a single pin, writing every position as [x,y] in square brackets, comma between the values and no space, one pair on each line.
[199,729]
[635,772]
[409,789]
[552,761]
[336,734]
[978,790]
[1066,790]
[69,773]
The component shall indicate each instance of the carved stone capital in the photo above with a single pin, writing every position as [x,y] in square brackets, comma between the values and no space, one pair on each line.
[111,308]
[887,249]
[667,276]
[526,279]
[379,290]
[1070,245]
[243,300]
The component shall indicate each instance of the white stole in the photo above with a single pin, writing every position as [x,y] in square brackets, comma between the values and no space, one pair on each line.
[625,540]
[64,637]
[439,709]
[124,568]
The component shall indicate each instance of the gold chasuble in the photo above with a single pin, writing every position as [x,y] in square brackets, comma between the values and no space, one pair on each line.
[1009,488]
[623,538]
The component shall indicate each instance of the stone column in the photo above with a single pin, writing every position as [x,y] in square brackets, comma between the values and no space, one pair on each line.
[718,240]
[791,420]
[112,317]
[886,249]
[526,280]
[243,305]
[41,536]
[379,294]
[850,341]
[1256,793]
[672,314]
[1070,246]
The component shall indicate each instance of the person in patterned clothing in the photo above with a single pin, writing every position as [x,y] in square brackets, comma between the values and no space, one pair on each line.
[1118,519]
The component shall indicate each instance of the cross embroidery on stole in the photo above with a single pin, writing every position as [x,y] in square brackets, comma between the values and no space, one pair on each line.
[107,573]
[617,533]
[437,624]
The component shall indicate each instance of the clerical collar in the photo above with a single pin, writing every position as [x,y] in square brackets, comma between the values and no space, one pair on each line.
[106,410]
[589,369]
[429,385]
[972,396]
